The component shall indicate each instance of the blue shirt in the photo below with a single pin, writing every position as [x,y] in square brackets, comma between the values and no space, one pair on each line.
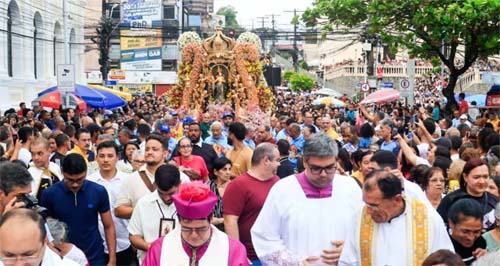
[80,212]
[250,143]
[298,142]
[221,141]
[392,146]
[172,144]
[281,135]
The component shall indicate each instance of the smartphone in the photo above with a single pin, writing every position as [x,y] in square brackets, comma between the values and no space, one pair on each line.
[394,132]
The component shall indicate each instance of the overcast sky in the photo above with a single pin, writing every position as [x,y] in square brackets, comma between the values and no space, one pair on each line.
[252,9]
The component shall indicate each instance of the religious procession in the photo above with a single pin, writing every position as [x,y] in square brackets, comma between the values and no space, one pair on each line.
[251,156]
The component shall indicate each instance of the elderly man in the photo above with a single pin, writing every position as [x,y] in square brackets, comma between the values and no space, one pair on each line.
[245,195]
[391,223]
[326,126]
[44,172]
[296,225]
[207,246]
[23,240]
[217,139]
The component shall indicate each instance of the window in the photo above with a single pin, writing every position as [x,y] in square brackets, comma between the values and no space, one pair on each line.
[168,12]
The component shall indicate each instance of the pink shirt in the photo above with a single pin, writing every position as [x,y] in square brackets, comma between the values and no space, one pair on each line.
[237,253]
[310,190]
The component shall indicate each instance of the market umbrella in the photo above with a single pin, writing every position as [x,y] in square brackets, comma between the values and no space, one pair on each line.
[125,95]
[381,96]
[55,99]
[329,101]
[93,98]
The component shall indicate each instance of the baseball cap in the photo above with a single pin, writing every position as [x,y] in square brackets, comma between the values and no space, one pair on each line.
[227,114]
[164,128]
[463,116]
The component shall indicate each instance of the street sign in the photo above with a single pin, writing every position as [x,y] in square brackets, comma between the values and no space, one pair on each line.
[66,77]
[386,85]
[404,84]
[365,87]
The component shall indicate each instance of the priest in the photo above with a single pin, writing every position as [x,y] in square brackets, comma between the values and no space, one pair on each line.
[392,224]
[195,242]
[306,217]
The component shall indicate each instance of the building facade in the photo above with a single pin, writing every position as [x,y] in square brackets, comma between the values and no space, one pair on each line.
[32,45]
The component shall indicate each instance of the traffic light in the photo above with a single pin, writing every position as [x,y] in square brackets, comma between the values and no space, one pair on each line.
[231,33]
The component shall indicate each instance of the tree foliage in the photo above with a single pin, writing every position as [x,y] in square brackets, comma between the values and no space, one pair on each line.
[445,28]
[301,81]
[229,12]
[287,74]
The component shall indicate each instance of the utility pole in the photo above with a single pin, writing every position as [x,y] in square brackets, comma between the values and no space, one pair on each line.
[65,32]
[273,21]
[295,55]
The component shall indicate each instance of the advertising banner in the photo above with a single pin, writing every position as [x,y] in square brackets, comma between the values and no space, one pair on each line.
[141,13]
[140,50]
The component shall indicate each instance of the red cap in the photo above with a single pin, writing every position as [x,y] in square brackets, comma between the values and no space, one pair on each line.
[195,200]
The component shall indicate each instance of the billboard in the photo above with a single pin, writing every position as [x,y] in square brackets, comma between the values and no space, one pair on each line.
[141,13]
[140,50]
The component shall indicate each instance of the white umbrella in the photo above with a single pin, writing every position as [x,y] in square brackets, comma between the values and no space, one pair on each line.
[329,101]
[328,92]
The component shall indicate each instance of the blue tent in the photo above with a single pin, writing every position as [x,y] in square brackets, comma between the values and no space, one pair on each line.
[94,98]
[480,99]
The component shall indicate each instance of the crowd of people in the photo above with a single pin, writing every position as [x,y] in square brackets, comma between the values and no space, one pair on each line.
[306,185]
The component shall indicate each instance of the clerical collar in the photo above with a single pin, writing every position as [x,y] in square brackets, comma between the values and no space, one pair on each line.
[404,210]
[310,190]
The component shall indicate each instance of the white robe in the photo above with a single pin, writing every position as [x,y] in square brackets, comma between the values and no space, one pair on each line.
[390,247]
[291,227]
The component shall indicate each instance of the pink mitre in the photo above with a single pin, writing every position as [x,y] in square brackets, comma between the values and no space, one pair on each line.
[195,200]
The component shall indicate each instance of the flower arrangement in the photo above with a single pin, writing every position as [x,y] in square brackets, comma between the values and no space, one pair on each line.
[186,38]
[250,37]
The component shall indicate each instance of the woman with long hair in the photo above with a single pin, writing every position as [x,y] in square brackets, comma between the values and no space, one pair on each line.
[222,174]
[125,164]
[473,184]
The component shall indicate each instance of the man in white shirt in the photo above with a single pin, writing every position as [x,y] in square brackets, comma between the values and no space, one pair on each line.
[111,179]
[23,238]
[141,183]
[155,215]
[44,172]
[392,229]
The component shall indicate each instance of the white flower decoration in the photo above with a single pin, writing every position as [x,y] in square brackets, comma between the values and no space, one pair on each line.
[187,38]
[250,37]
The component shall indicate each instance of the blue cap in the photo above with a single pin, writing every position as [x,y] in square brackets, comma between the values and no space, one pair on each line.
[227,114]
[173,113]
[187,120]
[164,128]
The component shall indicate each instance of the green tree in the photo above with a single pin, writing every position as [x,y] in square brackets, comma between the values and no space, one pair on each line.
[301,81]
[287,74]
[445,28]
[229,12]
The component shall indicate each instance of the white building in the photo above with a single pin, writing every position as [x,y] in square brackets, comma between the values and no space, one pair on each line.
[32,44]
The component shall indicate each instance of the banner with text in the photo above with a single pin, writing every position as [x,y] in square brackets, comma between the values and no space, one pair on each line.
[141,13]
[140,50]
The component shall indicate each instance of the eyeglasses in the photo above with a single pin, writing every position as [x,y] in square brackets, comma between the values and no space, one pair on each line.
[185,146]
[198,230]
[316,170]
[139,161]
[8,261]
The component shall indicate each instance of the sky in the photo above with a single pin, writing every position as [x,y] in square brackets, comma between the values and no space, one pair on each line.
[252,9]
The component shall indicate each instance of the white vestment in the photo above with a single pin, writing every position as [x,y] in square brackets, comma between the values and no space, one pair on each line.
[390,246]
[292,227]
[173,254]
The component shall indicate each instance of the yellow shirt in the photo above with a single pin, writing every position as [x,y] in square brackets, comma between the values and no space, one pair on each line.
[77,150]
[494,123]
[332,133]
